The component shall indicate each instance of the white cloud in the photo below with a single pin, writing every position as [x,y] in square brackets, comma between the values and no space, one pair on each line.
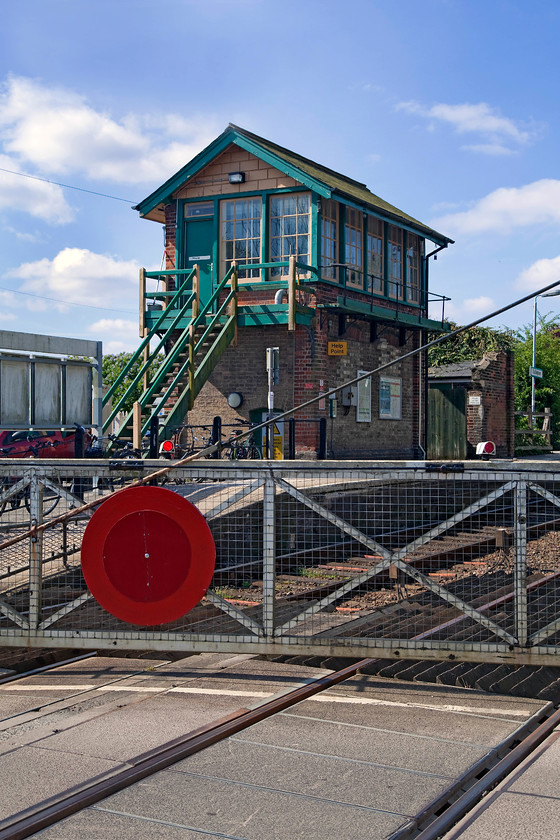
[77,275]
[496,149]
[540,274]
[502,135]
[508,208]
[44,201]
[58,132]
[465,311]
[479,305]
[117,334]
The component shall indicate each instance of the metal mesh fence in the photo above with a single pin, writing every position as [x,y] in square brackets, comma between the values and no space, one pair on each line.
[368,559]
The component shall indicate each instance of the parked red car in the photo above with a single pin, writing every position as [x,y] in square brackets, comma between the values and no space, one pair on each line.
[24,443]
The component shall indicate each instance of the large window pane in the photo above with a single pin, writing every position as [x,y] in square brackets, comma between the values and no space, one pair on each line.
[241,239]
[375,256]
[412,272]
[290,206]
[329,239]
[353,257]
[289,215]
[395,245]
[290,223]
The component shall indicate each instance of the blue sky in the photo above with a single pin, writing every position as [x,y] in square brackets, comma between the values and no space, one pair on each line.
[446,108]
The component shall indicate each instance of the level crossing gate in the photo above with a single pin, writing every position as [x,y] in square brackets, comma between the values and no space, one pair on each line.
[394,560]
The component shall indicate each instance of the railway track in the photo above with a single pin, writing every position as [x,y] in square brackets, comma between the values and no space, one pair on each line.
[429,822]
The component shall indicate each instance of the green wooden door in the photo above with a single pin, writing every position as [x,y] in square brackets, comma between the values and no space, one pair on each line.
[199,249]
[447,423]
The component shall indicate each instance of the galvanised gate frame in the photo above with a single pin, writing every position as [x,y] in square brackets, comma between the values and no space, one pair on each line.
[347,559]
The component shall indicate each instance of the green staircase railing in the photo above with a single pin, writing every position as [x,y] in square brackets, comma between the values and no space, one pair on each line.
[178,376]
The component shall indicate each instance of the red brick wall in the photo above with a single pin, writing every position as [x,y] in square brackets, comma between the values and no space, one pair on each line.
[170,240]
[306,370]
[493,419]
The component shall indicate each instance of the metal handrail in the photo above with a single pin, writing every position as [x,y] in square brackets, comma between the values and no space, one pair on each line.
[146,340]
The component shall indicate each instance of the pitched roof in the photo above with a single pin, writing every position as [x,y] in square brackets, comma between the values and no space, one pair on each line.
[318,177]
[454,370]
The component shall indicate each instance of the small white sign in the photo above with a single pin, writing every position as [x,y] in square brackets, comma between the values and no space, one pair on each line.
[536,372]
[475,400]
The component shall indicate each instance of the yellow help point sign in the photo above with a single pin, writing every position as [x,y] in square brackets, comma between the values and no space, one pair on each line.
[336,348]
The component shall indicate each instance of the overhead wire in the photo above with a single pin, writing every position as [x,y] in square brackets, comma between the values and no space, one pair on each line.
[67,302]
[66,186]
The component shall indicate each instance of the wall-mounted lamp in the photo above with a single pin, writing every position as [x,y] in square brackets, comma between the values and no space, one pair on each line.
[236,177]
[235,399]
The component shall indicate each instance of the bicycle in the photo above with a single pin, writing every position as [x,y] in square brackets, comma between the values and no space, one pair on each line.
[50,497]
[236,450]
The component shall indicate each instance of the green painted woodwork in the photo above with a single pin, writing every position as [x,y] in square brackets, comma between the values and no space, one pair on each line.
[447,427]
[319,179]
[380,313]
[264,235]
[203,371]
[215,330]
[199,241]
[314,233]
[146,341]
[283,163]
[271,315]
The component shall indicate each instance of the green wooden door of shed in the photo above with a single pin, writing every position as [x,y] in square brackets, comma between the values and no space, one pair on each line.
[447,423]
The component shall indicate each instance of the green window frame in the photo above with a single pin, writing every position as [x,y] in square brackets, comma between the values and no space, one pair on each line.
[353,247]
[240,233]
[395,287]
[413,268]
[375,256]
[290,227]
[329,239]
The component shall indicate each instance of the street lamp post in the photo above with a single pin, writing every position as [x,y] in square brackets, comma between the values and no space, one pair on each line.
[535,315]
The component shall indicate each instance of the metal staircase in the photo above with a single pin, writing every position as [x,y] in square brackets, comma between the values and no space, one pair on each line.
[182,358]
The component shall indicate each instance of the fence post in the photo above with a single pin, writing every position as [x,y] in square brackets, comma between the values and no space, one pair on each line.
[79,442]
[322,451]
[520,562]
[216,434]
[269,557]
[292,294]
[35,551]
[292,438]
[233,304]
[154,436]
[137,426]
[192,332]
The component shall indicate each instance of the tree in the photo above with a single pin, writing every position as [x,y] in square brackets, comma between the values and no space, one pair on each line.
[469,345]
[547,389]
[112,366]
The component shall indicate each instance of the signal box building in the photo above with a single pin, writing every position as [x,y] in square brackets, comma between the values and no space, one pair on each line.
[271,250]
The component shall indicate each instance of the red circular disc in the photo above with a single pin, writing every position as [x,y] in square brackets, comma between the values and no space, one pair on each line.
[148,555]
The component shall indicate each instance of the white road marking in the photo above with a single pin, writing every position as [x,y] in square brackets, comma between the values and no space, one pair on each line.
[230,692]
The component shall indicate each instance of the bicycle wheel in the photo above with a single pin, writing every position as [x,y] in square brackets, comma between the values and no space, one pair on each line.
[254,451]
[50,500]
[13,502]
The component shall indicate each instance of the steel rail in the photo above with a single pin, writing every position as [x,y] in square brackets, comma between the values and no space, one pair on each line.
[43,668]
[496,774]
[26,823]
[489,605]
